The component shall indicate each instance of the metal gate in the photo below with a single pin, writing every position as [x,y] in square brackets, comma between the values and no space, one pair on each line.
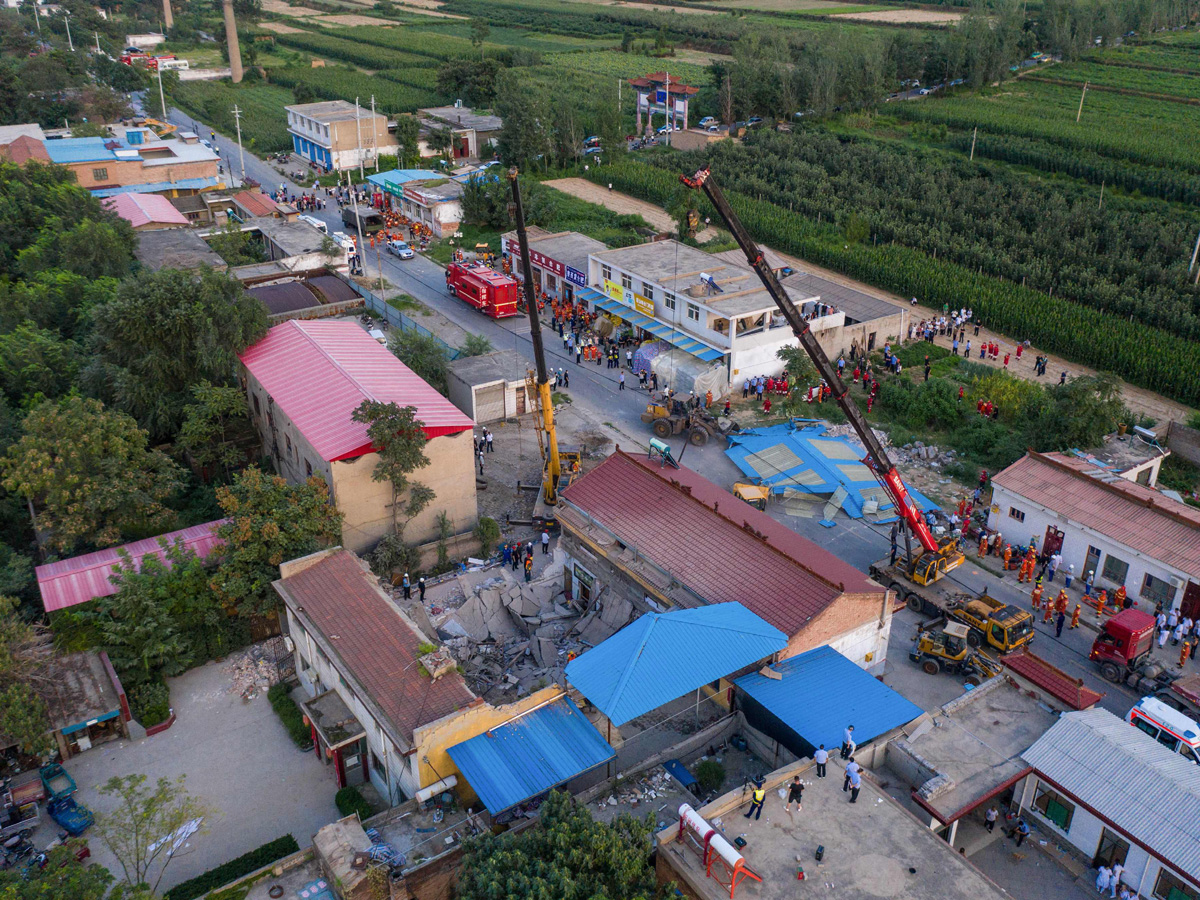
[489,403]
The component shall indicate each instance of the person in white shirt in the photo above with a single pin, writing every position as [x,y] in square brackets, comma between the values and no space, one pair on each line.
[1103,879]
[1115,882]
[821,757]
[848,742]
[851,769]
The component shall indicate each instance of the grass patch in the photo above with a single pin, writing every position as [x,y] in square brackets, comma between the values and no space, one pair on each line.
[349,800]
[289,714]
[442,251]
[407,303]
[264,127]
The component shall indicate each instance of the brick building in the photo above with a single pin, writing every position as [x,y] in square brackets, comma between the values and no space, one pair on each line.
[138,161]
[671,538]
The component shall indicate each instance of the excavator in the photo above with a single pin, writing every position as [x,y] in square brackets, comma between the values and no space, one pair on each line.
[560,466]
[934,560]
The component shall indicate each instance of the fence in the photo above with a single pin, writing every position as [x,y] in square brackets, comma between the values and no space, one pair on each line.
[395,317]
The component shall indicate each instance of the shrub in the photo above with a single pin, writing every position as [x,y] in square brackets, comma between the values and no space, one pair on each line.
[289,714]
[710,774]
[488,532]
[150,703]
[349,801]
[234,869]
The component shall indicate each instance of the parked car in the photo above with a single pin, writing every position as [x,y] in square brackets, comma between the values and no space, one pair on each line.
[714,128]
[400,249]
[315,223]
[924,91]
[340,238]
[706,121]
[593,141]
[753,120]
[665,129]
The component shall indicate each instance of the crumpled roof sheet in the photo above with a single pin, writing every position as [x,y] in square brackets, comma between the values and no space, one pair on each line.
[1052,679]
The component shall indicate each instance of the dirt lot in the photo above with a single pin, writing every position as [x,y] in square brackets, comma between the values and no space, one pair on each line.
[350,20]
[283,9]
[656,216]
[906,16]
[280,28]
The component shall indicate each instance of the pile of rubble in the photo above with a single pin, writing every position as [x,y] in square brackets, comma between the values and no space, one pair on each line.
[656,788]
[847,431]
[930,455]
[516,637]
[255,669]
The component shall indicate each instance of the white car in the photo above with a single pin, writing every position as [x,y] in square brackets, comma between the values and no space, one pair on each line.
[706,121]
[400,249]
[315,223]
[665,129]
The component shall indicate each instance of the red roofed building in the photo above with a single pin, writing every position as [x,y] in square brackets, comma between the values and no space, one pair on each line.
[145,212]
[255,204]
[23,149]
[674,537]
[652,92]
[1031,671]
[304,381]
[1127,533]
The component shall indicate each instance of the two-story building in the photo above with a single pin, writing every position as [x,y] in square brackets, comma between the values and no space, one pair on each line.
[337,135]
[305,379]
[1125,532]
[138,161]
[718,310]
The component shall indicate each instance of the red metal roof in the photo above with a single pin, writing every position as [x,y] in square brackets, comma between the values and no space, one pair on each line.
[1129,513]
[82,578]
[256,203]
[1051,679]
[318,373]
[723,549]
[140,210]
[340,598]
[24,148]
[659,79]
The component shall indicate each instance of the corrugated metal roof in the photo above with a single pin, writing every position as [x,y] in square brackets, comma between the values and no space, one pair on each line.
[255,203]
[721,548]
[822,692]
[82,578]
[1052,679]
[144,209]
[318,373]
[530,754]
[1149,792]
[182,184]
[663,656]
[1129,513]
[73,150]
[286,297]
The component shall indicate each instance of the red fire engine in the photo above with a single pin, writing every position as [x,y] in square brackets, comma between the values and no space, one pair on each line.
[492,293]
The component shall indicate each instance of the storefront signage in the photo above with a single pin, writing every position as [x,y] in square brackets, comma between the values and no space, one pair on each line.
[583,576]
[416,196]
[624,295]
[575,276]
[545,262]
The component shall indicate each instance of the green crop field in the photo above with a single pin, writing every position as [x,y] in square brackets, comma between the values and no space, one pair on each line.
[336,83]
[330,46]
[525,38]
[414,41]
[1151,56]
[614,64]
[1128,79]
[264,125]
[424,77]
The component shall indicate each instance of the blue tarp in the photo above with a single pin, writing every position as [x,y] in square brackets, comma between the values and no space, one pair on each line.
[529,755]
[798,456]
[821,692]
[663,656]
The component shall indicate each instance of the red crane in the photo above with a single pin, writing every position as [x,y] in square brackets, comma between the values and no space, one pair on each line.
[942,558]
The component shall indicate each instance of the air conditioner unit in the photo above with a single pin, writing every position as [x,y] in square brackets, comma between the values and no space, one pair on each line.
[1176,583]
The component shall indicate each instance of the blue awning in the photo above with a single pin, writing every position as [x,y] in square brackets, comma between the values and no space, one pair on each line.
[104,717]
[530,754]
[663,656]
[660,330]
[183,184]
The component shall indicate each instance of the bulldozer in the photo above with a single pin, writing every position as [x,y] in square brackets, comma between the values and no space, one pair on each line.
[754,494]
[671,416]
[947,651]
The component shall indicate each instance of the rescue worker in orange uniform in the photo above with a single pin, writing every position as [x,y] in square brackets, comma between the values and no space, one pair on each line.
[1007,557]
[1036,597]
[1075,616]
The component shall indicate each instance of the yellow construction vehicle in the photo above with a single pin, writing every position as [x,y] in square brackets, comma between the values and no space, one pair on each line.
[948,651]
[669,416]
[162,129]
[989,621]
[754,494]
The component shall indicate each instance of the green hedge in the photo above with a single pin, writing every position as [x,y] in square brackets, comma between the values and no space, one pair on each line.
[150,703]
[234,869]
[289,714]
[350,801]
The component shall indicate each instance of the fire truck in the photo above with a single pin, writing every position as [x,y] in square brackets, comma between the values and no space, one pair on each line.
[491,292]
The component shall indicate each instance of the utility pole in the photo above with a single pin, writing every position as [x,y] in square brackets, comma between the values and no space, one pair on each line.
[161,96]
[1195,252]
[375,142]
[67,19]
[362,175]
[1081,96]
[237,118]
[97,41]
[974,135]
[37,19]
[1100,205]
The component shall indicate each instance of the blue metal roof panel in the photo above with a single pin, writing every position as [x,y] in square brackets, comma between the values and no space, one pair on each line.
[74,150]
[183,184]
[530,754]
[663,656]
[403,176]
[683,341]
[822,692]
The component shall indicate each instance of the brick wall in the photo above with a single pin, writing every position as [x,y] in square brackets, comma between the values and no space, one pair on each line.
[1184,441]
[846,614]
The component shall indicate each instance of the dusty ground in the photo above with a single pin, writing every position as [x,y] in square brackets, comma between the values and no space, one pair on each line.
[280,28]
[621,203]
[284,9]
[1140,400]
[787,5]
[350,20]
[905,16]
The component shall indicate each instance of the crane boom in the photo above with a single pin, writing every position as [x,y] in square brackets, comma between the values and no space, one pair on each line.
[877,459]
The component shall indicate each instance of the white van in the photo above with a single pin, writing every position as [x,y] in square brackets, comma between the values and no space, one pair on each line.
[315,223]
[1168,726]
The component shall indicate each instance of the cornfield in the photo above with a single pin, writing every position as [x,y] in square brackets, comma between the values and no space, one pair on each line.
[335,83]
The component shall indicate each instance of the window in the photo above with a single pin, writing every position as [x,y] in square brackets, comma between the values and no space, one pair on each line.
[1155,589]
[377,764]
[1115,570]
[100,174]
[1053,806]
[1014,513]
[669,301]
[550,282]
[1112,849]
[308,468]
[606,273]
[648,291]
[1170,886]
[626,281]
[693,312]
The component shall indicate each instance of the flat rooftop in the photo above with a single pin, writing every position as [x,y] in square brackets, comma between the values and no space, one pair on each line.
[976,742]
[1124,453]
[873,848]
[499,365]
[331,111]
[175,248]
[567,247]
[293,238]
[464,117]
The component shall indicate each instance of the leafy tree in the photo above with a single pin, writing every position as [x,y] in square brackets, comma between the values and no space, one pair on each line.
[91,248]
[216,427]
[485,202]
[567,856]
[472,80]
[163,334]
[237,247]
[398,437]
[36,365]
[524,107]
[23,718]
[408,137]
[90,474]
[270,522]
[440,141]
[799,366]
[24,647]
[63,876]
[53,300]
[475,345]
[424,354]
[479,33]
[487,532]
[143,815]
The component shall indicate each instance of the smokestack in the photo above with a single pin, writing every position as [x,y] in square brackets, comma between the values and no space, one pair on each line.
[168,19]
[235,54]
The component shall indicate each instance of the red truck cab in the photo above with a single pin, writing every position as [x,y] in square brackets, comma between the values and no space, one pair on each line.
[492,293]
[1123,644]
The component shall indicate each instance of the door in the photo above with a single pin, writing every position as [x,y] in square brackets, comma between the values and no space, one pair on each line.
[1054,541]
[1112,850]
[871,342]
[489,403]
[520,401]
[1092,563]
[1191,600]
